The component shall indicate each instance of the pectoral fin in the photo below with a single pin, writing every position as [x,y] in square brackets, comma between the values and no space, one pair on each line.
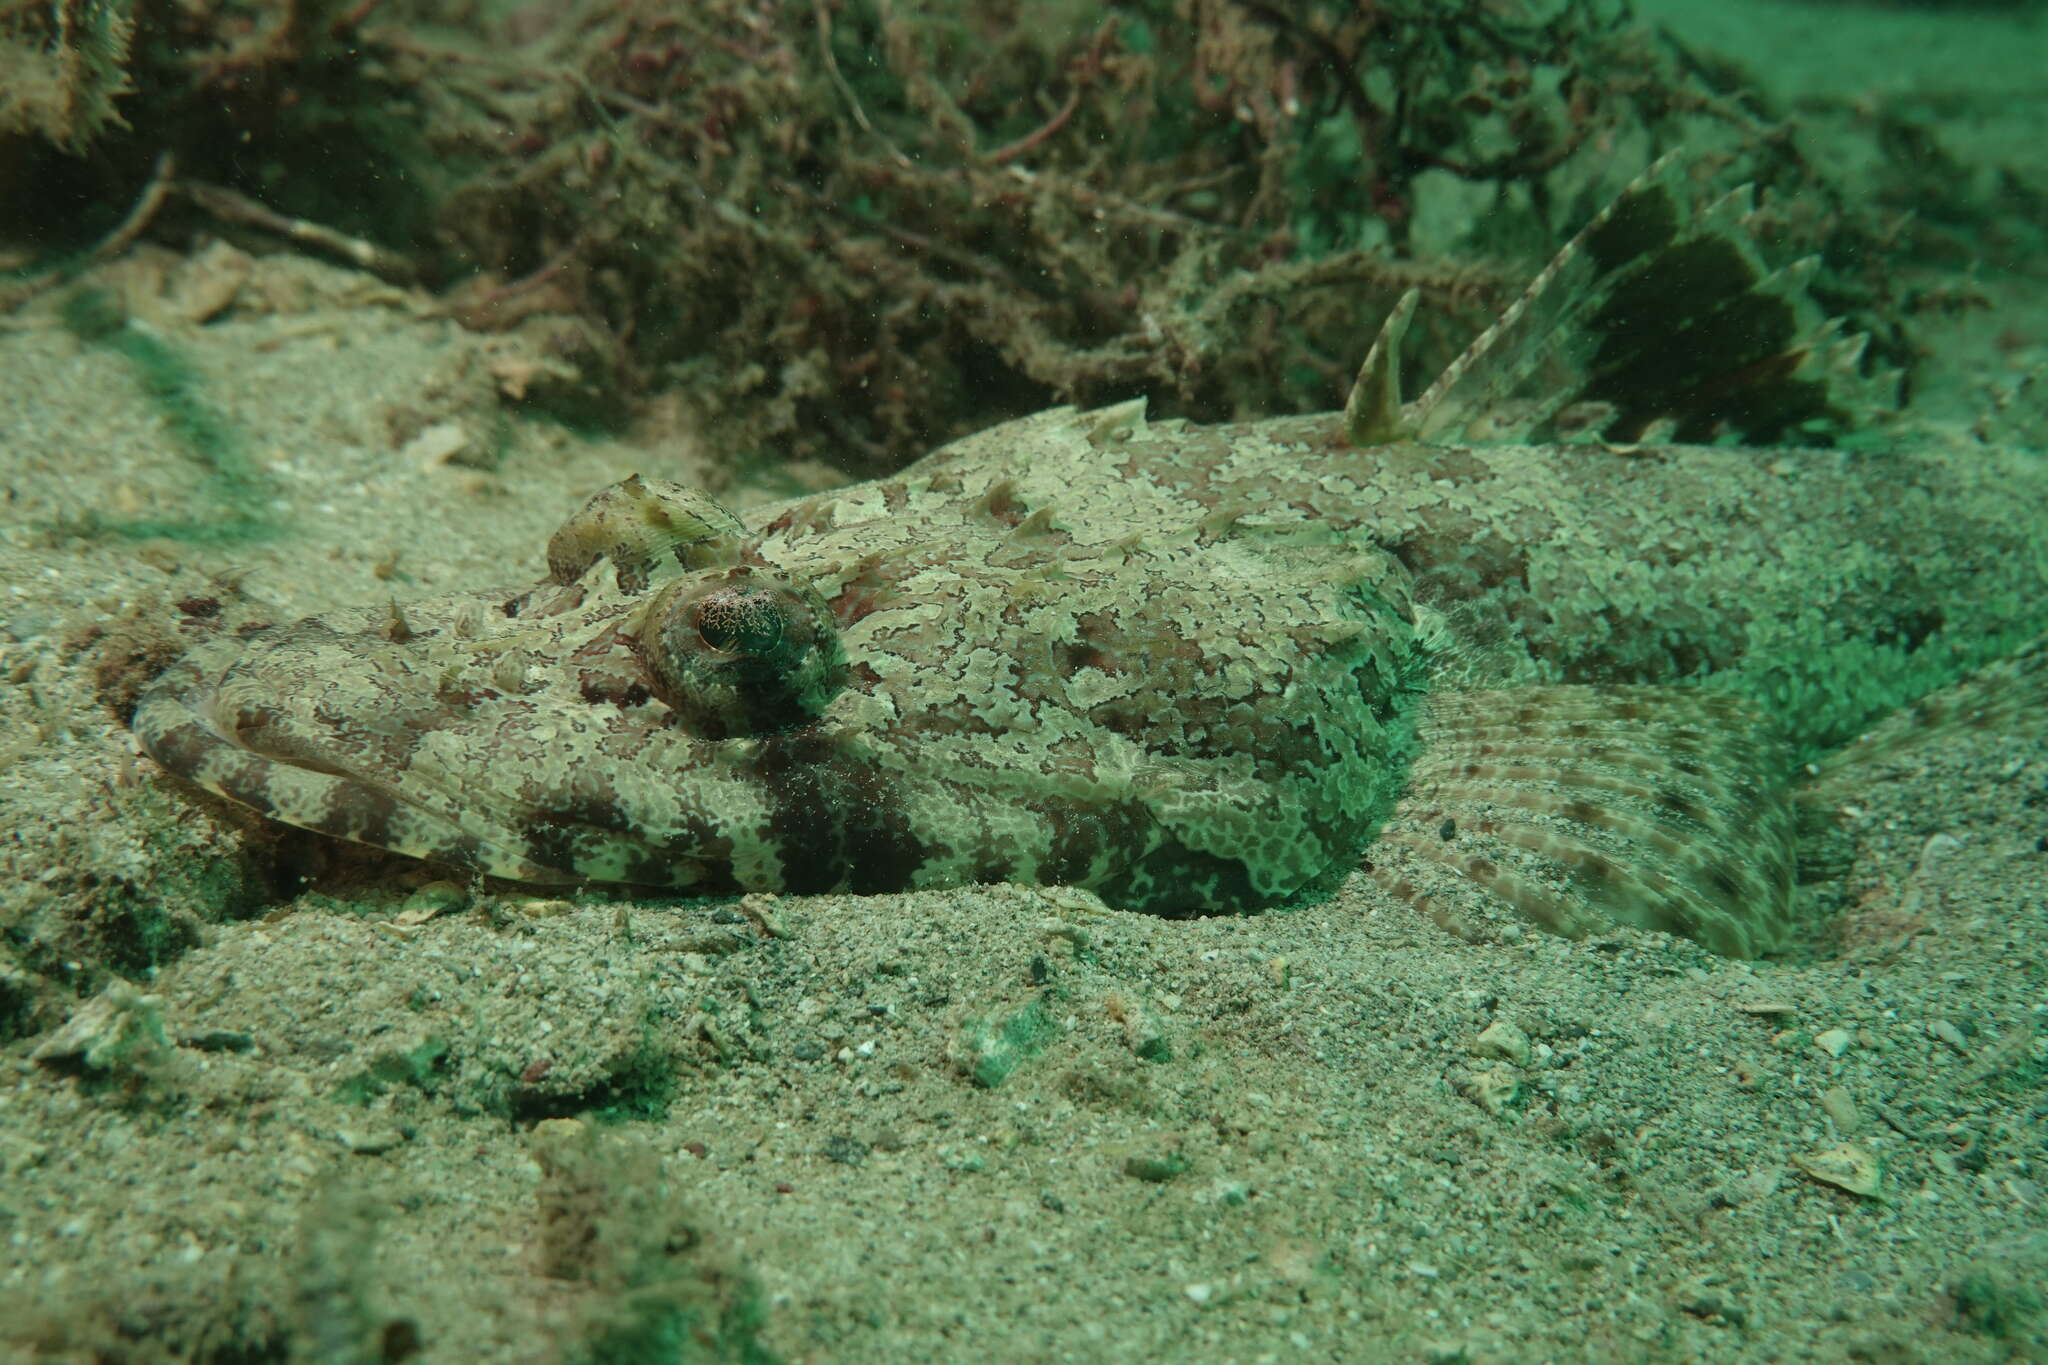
[1586,807]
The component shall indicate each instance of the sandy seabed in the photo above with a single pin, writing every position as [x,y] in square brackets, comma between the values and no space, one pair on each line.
[389,1114]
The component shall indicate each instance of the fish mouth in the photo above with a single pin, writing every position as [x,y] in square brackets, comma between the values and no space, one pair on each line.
[191,723]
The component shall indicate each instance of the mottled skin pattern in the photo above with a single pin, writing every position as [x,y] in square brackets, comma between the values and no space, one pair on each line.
[1040,688]
[1176,664]
[1200,668]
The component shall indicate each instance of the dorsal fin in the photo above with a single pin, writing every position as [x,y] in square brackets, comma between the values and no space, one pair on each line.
[1652,317]
[1372,414]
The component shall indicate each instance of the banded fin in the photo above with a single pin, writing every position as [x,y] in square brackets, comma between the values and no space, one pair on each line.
[1653,321]
[1581,808]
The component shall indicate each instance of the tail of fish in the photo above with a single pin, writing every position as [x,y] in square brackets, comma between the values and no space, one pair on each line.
[1666,637]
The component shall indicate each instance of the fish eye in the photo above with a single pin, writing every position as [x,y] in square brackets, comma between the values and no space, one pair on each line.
[740,621]
[741,651]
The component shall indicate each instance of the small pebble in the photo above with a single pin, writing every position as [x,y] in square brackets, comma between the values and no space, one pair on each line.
[1155,1170]
[369,1141]
[1835,1041]
[1845,1166]
[442,443]
[1494,1089]
[1503,1040]
[1840,1107]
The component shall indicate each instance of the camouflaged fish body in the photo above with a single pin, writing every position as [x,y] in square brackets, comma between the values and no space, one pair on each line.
[1062,663]
[1193,668]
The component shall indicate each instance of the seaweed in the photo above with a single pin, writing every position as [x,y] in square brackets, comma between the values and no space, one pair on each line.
[656,1283]
[847,231]
[232,483]
[62,67]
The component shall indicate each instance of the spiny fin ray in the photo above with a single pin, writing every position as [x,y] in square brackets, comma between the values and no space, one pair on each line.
[1372,412]
[1652,318]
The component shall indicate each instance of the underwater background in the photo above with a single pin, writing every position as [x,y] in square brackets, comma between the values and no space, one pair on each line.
[316,304]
